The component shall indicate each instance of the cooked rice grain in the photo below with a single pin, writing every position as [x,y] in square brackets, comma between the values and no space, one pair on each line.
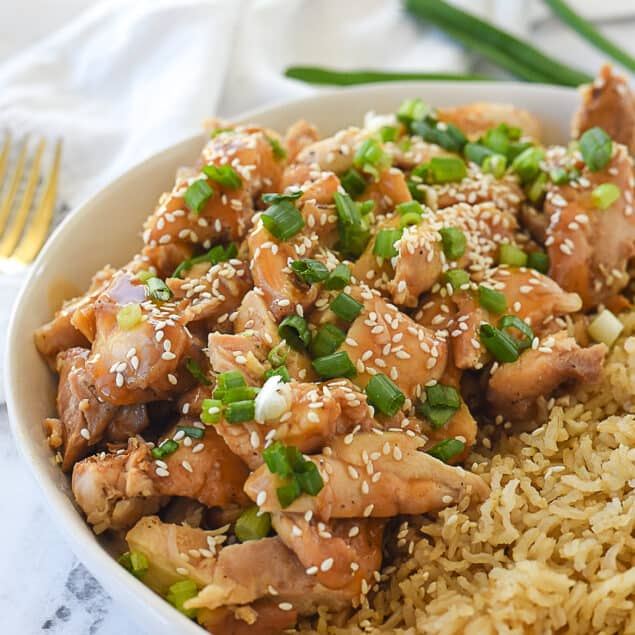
[551,550]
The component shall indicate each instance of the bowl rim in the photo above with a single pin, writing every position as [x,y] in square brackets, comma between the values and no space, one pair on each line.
[71,524]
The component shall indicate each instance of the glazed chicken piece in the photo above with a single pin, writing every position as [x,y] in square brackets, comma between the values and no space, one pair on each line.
[116,490]
[410,481]
[262,617]
[530,295]
[270,259]
[384,340]
[60,334]
[476,118]
[390,189]
[214,295]
[280,574]
[514,388]
[418,152]
[203,470]
[84,419]
[589,248]
[141,363]
[608,103]
[242,352]
[298,136]
[351,549]
[334,153]
[169,547]
[304,415]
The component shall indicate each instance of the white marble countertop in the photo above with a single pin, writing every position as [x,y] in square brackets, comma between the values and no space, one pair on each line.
[44,588]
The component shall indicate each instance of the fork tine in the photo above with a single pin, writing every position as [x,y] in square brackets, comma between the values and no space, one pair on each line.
[35,236]
[4,155]
[14,231]
[7,203]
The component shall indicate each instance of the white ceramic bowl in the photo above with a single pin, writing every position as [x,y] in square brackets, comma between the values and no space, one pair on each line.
[106,229]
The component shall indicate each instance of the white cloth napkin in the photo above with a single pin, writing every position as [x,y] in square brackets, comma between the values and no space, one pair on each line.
[126,79]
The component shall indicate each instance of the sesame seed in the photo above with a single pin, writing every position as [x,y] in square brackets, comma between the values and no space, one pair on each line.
[285,606]
[261,498]
[326,564]
[85,433]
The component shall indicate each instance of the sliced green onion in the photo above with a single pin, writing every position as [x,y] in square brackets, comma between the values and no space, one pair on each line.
[497,139]
[335,365]
[338,278]
[495,164]
[295,331]
[512,255]
[559,176]
[409,207]
[281,371]
[252,524]
[224,175]
[412,110]
[477,153]
[217,131]
[197,195]
[605,328]
[384,243]
[352,227]
[447,169]
[436,416]
[282,220]
[603,196]
[536,191]
[447,449]
[288,493]
[215,255]
[240,411]
[448,136]
[179,593]
[308,478]
[129,316]
[346,307]
[388,133]
[538,260]
[500,344]
[276,458]
[353,182]
[279,152]
[191,431]
[491,300]
[211,411]
[443,395]
[135,562]
[169,446]
[197,372]
[159,291]
[327,340]
[278,354]
[457,278]
[527,164]
[144,276]
[365,207]
[240,393]
[230,379]
[310,270]
[273,197]
[596,147]
[453,241]
[416,190]
[370,157]
[406,220]
[513,321]
[384,395]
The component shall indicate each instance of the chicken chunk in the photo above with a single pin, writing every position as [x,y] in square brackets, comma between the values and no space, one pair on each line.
[85,419]
[311,415]
[410,481]
[143,362]
[589,248]
[334,153]
[530,295]
[60,333]
[235,583]
[353,548]
[476,118]
[514,388]
[608,103]
[298,136]
[384,340]
[262,617]
[242,352]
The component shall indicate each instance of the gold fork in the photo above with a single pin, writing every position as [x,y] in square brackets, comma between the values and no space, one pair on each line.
[23,237]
